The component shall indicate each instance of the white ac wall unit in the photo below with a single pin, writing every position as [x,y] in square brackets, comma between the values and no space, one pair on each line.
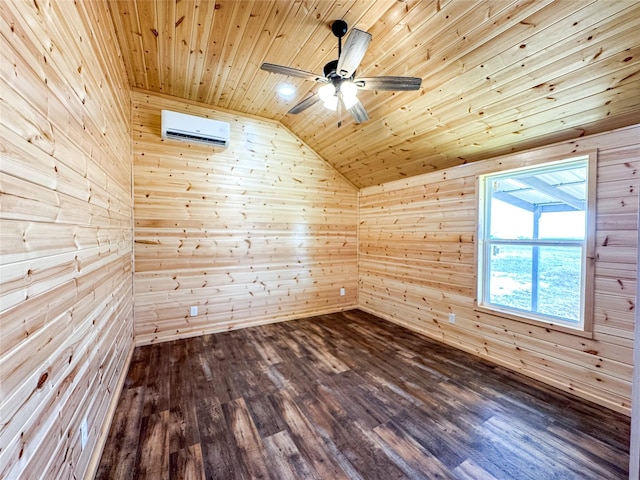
[189,128]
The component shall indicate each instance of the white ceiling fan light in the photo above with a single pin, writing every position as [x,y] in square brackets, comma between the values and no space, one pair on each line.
[331,103]
[348,88]
[326,92]
[328,95]
[349,102]
[349,92]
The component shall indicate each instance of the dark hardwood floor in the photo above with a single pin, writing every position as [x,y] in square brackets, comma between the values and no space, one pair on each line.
[348,396]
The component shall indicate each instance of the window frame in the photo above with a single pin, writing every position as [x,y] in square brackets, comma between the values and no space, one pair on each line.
[588,256]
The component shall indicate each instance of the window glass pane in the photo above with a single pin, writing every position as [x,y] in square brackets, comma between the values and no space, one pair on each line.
[510,277]
[510,222]
[556,196]
[559,276]
[516,270]
[567,225]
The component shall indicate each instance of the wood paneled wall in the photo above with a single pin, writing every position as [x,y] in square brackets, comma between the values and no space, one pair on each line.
[259,232]
[634,448]
[416,264]
[66,302]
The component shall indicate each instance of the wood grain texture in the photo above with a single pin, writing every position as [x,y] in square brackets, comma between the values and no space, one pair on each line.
[66,243]
[497,76]
[417,264]
[634,447]
[262,231]
[349,396]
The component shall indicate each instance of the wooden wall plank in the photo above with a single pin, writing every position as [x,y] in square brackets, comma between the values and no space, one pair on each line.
[634,447]
[260,232]
[417,264]
[66,301]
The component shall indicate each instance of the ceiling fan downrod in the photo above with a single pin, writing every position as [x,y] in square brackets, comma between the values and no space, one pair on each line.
[339,29]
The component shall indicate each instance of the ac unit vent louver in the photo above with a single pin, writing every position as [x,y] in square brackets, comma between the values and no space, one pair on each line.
[189,128]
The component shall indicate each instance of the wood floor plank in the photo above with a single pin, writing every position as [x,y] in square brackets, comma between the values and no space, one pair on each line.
[156,397]
[599,452]
[366,456]
[263,343]
[437,434]
[119,454]
[315,448]
[531,463]
[326,412]
[153,454]
[183,428]
[468,470]
[138,369]
[348,396]
[548,448]
[414,460]
[247,440]
[266,416]
[187,464]
[219,454]
[285,459]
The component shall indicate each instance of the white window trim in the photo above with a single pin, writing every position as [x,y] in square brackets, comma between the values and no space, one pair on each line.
[540,160]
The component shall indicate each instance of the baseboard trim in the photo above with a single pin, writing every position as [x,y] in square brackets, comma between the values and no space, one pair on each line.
[96,455]
[141,340]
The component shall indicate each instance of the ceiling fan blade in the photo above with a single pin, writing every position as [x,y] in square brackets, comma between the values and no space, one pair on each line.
[292,72]
[388,83]
[358,112]
[353,52]
[304,104]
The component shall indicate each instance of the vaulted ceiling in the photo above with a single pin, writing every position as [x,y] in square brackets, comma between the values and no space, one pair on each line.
[497,75]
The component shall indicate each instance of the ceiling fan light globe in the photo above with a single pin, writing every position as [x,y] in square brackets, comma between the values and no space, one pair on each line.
[348,89]
[326,92]
[332,103]
[349,101]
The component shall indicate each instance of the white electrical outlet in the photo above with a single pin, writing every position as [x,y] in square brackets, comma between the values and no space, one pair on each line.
[342,292]
[452,318]
[194,311]
[84,434]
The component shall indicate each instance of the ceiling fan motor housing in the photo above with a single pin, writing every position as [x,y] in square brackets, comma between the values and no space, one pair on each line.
[330,70]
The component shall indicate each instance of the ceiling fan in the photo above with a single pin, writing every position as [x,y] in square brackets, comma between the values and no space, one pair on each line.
[340,83]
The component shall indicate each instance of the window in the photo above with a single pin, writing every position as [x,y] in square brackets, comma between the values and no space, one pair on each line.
[535,243]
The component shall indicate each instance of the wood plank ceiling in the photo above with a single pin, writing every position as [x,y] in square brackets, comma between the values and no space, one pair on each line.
[498,75]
